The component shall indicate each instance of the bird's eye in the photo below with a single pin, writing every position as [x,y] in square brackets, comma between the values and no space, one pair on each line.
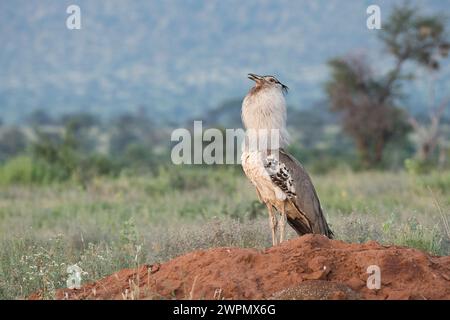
[272,80]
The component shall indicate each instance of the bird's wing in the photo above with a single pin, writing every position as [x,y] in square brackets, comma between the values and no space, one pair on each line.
[290,176]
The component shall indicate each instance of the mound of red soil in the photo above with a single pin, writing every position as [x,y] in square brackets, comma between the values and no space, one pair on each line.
[309,267]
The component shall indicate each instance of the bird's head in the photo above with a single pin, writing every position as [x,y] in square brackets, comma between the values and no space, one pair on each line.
[267,82]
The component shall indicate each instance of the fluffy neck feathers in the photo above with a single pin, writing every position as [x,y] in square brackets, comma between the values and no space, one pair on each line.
[265,109]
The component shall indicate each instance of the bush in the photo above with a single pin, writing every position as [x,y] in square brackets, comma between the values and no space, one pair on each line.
[16,170]
[436,181]
[323,161]
[169,178]
[415,166]
[26,170]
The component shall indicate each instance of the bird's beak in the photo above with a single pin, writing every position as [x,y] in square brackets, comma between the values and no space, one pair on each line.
[254,77]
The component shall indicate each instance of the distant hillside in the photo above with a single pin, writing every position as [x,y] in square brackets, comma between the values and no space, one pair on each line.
[176,58]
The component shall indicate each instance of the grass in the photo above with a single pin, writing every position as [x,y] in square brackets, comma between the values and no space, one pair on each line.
[111,224]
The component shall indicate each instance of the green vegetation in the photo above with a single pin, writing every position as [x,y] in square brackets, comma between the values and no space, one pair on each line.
[112,223]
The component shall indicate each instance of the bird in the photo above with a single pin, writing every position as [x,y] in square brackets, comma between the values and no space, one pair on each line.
[281,182]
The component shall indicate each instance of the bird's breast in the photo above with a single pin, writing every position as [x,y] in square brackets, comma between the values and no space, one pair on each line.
[253,166]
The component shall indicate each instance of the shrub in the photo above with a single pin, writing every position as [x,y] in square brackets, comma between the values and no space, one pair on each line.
[415,166]
[26,170]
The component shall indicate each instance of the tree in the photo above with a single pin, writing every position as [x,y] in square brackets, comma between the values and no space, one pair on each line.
[38,118]
[12,142]
[133,139]
[355,94]
[428,131]
[80,120]
[369,103]
[81,125]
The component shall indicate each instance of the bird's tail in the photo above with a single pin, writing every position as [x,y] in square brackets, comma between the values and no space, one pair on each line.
[301,228]
[329,233]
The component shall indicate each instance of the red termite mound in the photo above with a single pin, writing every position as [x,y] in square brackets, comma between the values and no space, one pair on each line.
[308,267]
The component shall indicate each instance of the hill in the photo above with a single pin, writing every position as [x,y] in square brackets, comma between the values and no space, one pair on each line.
[175,58]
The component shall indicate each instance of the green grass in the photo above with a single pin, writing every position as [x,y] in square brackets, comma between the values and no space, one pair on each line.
[114,223]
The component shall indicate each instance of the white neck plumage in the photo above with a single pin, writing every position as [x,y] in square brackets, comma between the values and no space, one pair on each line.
[264,116]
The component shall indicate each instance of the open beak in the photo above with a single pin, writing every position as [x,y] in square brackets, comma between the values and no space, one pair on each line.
[254,77]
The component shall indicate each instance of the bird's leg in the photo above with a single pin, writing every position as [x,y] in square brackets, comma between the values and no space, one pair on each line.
[273,223]
[283,222]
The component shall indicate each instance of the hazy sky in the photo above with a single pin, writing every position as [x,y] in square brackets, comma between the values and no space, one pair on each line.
[174,57]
